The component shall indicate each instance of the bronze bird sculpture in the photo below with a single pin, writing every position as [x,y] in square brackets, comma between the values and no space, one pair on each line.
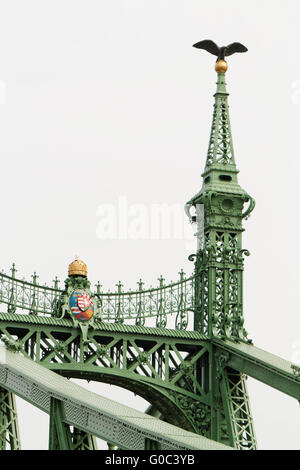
[220,52]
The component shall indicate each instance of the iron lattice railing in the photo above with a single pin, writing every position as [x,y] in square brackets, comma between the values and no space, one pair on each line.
[164,306]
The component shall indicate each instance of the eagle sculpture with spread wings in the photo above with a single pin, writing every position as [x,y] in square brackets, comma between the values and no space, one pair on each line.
[220,52]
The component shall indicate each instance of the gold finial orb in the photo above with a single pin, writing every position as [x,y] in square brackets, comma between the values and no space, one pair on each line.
[221,66]
[77,268]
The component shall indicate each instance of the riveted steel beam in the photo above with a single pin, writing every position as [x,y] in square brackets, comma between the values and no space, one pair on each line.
[261,365]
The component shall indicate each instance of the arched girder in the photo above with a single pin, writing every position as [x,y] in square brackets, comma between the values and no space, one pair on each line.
[182,379]
[89,412]
[168,370]
[186,412]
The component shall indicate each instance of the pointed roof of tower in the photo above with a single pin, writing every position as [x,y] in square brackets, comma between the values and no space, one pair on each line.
[220,172]
[220,149]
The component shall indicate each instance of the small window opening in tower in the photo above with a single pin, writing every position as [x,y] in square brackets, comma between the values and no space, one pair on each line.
[225,177]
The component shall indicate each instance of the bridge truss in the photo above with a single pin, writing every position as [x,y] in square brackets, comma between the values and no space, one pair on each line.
[181,346]
[193,382]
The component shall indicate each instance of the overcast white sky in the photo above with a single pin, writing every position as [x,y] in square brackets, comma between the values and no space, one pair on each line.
[102,100]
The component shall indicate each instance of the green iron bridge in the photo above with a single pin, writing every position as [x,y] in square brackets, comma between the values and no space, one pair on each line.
[181,346]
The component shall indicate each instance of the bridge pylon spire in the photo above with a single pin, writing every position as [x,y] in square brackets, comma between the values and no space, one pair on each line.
[220,155]
[219,264]
[219,213]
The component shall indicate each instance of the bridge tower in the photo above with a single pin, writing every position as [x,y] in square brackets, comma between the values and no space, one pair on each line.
[219,215]
[220,209]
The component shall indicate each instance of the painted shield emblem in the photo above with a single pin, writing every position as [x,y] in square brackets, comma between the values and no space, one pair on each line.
[81,305]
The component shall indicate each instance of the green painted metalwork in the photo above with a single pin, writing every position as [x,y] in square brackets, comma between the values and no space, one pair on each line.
[261,365]
[237,410]
[62,436]
[9,429]
[83,440]
[71,405]
[219,268]
[152,445]
[162,368]
[219,260]
[135,307]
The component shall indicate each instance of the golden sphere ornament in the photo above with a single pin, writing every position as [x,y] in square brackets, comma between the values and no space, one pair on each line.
[221,66]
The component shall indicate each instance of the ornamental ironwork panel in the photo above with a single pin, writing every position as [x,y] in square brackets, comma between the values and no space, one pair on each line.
[168,305]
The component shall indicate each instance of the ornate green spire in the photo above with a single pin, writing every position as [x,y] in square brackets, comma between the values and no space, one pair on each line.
[220,150]
[219,215]
[220,173]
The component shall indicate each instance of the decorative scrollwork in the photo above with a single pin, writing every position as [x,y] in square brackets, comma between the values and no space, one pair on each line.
[159,303]
[250,208]
[197,412]
[186,368]
[221,361]
[60,347]
[142,358]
